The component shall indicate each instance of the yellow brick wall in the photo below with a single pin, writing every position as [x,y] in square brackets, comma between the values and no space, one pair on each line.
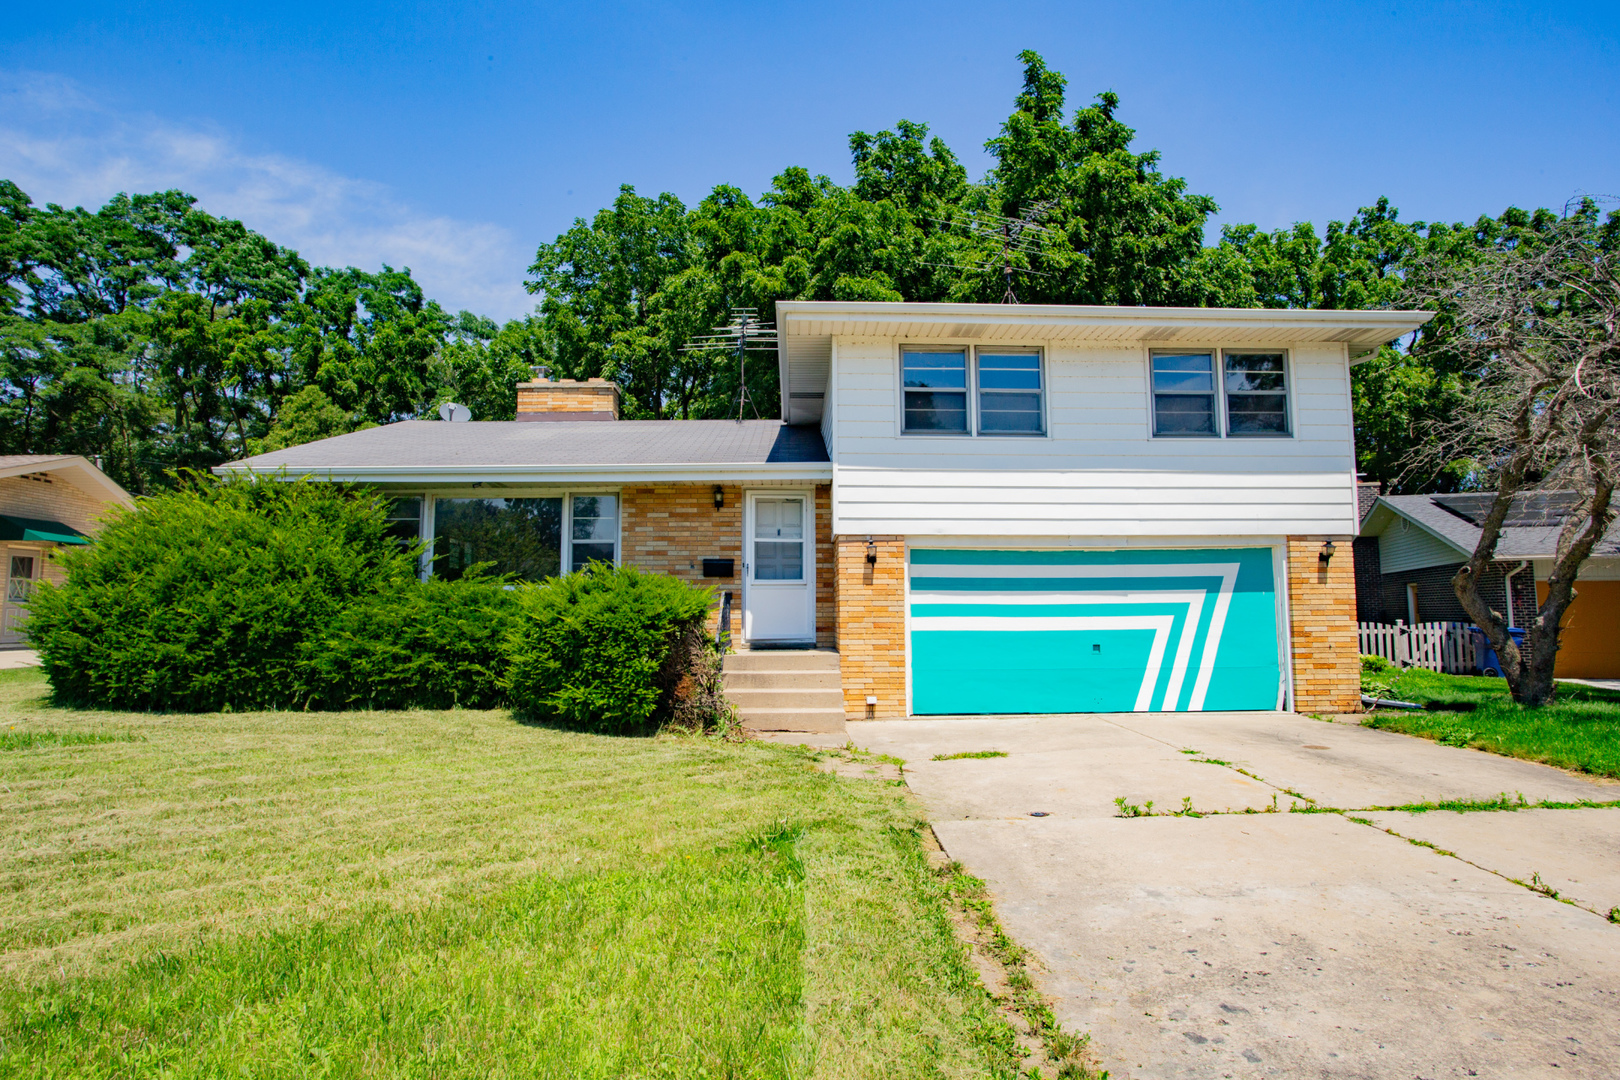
[568,395]
[872,625]
[672,528]
[53,498]
[1322,624]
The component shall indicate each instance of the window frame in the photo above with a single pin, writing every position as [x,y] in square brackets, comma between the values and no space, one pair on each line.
[430,515]
[972,392]
[1218,362]
[1287,393]
[1217,399]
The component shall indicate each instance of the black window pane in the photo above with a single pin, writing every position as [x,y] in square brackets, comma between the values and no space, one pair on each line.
[931,411]
[1257,414]
[1019,413]
[519,536]
[935,370]
[1183,414]
[585,554]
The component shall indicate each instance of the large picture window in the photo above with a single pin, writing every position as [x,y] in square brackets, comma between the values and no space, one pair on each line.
[516,536]
[1184,393]
[935,387]
[1256,393]
[1009,392]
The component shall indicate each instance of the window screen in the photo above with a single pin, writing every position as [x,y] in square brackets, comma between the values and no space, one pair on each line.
[1183,394]
[779,540]
[517,536]
[1010,393]
[1256,394]
[935,390]
[595,530]
[405,519]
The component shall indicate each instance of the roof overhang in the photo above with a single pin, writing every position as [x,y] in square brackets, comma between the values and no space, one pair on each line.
[670,472]
[80,470]
[1384,514]
[806,329]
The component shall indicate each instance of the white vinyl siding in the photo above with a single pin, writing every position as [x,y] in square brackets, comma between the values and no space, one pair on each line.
[1405,546]
[1100,472]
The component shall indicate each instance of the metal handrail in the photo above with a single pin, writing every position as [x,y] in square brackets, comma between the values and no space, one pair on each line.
[722,636]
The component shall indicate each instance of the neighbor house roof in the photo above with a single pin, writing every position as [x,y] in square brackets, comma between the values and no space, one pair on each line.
[508,451]
[78,468]
[1530,531]
[806,328]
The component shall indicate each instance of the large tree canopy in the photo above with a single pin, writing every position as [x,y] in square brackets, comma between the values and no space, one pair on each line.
[155,335]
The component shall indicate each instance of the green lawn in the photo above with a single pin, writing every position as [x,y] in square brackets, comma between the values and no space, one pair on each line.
[453,894]
[1580,730]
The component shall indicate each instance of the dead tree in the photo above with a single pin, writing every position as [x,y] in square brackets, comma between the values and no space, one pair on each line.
[1537,326]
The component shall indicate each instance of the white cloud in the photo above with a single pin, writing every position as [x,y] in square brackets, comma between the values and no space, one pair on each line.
[60,145]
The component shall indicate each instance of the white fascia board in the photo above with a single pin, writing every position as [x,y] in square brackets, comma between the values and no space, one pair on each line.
[84,472]
[547,474]
[878,315]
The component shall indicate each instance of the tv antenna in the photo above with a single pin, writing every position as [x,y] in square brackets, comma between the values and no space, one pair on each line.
[742,334]
[1023,235]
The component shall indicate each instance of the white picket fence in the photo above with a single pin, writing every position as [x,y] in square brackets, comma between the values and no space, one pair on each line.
[1438,646]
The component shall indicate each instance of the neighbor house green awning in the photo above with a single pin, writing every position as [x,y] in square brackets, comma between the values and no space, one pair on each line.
[39,529]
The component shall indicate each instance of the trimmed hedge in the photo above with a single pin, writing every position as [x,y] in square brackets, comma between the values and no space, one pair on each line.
[204,598]
[592,647]
[424,645]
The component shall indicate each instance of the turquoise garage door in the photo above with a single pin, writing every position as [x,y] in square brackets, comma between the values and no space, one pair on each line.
[1092,631]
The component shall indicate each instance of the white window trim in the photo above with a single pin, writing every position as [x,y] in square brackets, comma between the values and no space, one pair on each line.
[566,555]
[1218,362]
[971,352]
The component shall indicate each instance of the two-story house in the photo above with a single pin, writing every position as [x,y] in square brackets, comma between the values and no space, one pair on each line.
[982,508]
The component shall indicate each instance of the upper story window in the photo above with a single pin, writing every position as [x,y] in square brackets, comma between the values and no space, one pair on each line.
[1256,393]
[1009,392]
[1184,393]
[935,390]
[1007,387]
[1251,393]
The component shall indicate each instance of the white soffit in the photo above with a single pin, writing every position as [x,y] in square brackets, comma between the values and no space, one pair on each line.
[806,329]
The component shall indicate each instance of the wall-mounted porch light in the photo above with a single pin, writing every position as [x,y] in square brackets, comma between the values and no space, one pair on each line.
[871,552]
[1326,554]
[719,497]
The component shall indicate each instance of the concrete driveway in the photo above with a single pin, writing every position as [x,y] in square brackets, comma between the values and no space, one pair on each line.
[1286,944]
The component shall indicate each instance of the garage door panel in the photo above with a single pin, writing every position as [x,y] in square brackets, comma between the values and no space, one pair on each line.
[1086,631]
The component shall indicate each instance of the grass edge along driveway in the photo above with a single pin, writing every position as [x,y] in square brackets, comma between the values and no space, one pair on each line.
[1580,730]
[455,894]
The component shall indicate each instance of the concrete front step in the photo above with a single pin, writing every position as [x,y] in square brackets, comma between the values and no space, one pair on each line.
[786,698]
[792,719]
[782,660]
[782,680]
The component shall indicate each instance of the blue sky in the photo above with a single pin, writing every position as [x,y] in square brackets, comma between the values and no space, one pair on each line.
[454,139]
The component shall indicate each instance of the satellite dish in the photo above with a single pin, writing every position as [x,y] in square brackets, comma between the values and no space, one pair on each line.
[456,414]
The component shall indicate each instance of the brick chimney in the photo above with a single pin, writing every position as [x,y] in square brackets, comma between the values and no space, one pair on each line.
[567,399]
[1367,492]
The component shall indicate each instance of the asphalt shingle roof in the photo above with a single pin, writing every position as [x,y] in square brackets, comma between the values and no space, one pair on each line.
[435,443]
[1530,531]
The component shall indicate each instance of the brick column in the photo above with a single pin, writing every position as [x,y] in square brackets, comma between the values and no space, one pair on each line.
[872,625]
[1322,625]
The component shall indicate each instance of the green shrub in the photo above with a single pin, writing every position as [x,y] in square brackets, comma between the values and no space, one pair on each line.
[591,647]
[427,645]
[1374,665]
[203,598]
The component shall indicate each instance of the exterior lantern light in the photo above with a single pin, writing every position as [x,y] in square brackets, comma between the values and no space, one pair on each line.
[719,497]
[871,551]
[1326,554]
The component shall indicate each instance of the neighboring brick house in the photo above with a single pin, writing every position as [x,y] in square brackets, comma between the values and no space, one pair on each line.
[1421,541]
[982,508]
[47,501]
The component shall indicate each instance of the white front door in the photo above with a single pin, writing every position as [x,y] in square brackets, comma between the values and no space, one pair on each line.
[22,568]
[779,571]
